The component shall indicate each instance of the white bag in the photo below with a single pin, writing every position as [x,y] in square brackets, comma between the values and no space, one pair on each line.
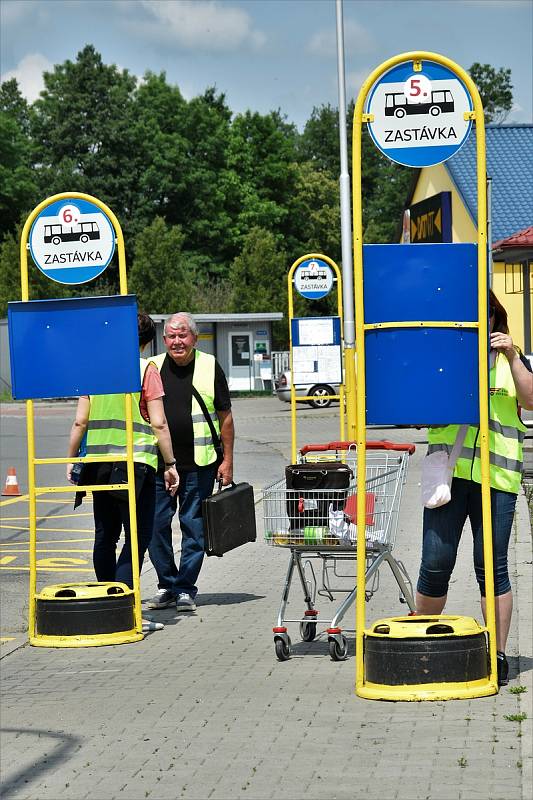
[437,473]
[436,479]
[338,525]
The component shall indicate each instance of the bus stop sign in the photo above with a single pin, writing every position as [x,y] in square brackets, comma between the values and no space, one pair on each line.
[72,241]
[418,118]
[313,278]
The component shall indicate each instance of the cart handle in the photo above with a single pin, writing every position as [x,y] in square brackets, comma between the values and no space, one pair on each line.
[382,445]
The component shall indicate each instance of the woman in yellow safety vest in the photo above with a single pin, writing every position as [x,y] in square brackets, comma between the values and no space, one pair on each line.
[511,385]
[102,419]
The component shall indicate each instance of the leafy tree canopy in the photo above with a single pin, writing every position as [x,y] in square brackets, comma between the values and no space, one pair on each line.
[214,206]
[495,89]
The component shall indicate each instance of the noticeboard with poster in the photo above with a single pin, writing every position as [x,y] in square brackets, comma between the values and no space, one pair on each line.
[316,350]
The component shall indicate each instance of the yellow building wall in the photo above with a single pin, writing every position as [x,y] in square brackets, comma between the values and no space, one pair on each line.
[433,180]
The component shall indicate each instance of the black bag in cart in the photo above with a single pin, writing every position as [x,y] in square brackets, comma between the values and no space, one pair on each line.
[229,519]
[311,488]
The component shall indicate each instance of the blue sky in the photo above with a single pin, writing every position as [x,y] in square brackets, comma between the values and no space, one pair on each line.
[266,54]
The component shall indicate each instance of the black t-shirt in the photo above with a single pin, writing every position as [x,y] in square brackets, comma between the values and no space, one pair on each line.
[177,383]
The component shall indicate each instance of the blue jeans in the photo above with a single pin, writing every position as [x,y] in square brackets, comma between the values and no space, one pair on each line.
[110,516]
[195,486]
[443,527]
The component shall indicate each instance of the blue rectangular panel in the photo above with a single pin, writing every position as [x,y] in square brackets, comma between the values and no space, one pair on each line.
[421,376]
[67,348]
[420,282]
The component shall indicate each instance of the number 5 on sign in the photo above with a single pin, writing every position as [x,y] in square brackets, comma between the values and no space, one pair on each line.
[417,89]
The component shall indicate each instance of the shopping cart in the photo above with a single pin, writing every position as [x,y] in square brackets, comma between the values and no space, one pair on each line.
[320,525]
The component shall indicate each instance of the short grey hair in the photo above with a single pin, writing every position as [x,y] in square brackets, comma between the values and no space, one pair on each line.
[187,319]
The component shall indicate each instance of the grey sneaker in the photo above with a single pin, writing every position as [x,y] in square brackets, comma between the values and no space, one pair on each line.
[163,599]
[185,602]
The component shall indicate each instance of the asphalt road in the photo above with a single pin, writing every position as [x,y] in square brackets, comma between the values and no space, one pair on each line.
[263,436]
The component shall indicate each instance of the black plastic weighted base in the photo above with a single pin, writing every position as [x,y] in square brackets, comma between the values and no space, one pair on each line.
[450,659]
[84,616]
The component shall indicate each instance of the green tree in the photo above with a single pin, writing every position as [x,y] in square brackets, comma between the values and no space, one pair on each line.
[384,184]
[161,273]
[84,134]
[203,207]
[382,212]
[208,296]
[495,89]
[262,155]
[159,110]
[314,213]
[319,142]
[39,285]
[17,183]
[259,275]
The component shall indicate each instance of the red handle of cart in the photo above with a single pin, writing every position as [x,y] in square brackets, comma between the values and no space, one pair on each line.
[370,445]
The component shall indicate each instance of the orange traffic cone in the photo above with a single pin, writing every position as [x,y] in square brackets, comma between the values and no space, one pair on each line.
[12,485]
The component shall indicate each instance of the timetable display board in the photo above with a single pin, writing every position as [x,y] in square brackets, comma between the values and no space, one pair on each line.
[316,350]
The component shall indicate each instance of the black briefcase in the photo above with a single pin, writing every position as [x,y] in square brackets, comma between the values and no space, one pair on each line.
[312,488]
[229,519]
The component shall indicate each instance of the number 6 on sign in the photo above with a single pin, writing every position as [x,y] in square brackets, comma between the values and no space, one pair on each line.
[417,89]
[70,215]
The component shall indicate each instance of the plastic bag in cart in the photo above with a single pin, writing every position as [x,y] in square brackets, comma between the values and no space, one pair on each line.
[340,527]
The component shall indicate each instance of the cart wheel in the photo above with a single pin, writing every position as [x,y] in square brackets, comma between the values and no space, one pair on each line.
[283,649]
[308,631]
[338,650]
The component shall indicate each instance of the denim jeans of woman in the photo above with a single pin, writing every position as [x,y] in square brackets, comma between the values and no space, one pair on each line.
[442,531]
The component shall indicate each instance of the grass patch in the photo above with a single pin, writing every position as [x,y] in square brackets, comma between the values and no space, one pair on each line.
[528,491]
[515,717]
[518,689]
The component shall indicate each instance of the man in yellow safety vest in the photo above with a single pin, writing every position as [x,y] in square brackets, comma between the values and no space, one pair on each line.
[198,409]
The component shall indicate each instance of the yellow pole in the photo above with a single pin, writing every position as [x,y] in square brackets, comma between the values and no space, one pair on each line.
[32,502]
[30,413]
[290,297]
[351,397]
[128,400]
[359,118]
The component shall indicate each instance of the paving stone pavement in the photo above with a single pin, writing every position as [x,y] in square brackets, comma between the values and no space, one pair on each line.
[203,710]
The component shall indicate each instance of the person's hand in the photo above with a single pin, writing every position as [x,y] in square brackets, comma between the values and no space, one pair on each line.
[172,480]
[225,472]
[69,473]
[503,343]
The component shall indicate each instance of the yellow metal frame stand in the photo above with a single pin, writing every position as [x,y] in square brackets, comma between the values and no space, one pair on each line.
[121,637]
[303,398]
[440,691]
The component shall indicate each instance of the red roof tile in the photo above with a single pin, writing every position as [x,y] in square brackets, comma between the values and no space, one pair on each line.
[520,239]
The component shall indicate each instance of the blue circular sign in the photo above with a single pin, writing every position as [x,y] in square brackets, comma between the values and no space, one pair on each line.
[418,117]
[72,241]
[313,278]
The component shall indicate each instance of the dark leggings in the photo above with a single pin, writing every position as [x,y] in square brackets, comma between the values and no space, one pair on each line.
[110,516]
[442,532]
